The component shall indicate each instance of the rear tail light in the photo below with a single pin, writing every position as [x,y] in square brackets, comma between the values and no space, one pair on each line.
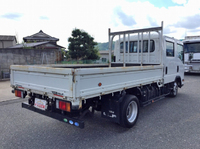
[62,105]
[20,94]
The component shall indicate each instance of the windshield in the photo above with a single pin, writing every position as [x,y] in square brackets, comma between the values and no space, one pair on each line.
[192,47]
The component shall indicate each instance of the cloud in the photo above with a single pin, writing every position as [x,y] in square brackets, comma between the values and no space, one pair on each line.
[95,17]
[180,2]
[44,18]
[152,21]
[126,20]
[189,22]
[193,30]
[11,16]
[168,30]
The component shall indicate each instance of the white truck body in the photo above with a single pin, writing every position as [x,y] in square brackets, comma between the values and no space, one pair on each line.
[192,54]
[150,74]
[84,85]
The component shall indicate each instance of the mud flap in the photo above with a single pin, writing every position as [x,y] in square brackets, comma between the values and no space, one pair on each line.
[111,108]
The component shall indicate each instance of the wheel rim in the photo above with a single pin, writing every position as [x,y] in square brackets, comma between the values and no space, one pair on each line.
[131,112]
[175,88]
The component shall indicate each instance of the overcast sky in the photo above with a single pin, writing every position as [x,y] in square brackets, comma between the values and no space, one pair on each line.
[58,18]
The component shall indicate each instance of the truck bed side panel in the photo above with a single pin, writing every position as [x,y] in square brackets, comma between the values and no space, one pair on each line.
[91,85]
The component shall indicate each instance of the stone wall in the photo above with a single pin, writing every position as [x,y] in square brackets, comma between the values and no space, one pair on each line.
[26,57]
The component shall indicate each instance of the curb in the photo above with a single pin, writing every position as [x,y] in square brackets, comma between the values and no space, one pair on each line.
[14,100]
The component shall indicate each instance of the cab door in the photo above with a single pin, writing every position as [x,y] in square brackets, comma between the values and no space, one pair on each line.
[173,60]
[170,66]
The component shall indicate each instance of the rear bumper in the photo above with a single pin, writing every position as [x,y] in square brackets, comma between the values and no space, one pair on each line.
[188,68]
[63,118]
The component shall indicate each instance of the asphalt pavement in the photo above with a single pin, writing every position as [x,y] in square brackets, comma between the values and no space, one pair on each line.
[171,123]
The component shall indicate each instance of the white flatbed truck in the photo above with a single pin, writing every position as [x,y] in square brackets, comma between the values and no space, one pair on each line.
[146,68]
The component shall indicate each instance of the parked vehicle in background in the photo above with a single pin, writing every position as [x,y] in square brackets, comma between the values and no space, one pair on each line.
[148,66]
[192,54]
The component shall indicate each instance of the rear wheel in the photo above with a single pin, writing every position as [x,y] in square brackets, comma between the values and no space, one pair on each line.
[129,111]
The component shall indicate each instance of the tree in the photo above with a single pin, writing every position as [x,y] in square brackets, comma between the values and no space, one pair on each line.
[82,46]
[105,46]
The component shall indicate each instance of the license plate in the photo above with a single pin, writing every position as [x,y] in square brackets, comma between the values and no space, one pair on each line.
[40,104]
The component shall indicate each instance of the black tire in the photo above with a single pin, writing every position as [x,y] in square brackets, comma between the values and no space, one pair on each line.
[174,90]
[129,111]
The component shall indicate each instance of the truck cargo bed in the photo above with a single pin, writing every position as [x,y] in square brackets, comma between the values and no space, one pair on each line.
[74,84]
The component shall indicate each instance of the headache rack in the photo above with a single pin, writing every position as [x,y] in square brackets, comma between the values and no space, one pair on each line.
[126,37]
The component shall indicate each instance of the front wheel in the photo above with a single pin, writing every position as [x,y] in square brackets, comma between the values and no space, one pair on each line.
[129,111]
[174,90]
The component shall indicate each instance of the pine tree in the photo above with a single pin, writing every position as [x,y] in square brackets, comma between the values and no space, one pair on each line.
[82,46]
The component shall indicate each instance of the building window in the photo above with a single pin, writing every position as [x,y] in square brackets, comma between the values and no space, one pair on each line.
[103,59]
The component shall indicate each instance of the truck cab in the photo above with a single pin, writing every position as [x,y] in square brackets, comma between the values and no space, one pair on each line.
[192,54]
[166,51]
[173,60]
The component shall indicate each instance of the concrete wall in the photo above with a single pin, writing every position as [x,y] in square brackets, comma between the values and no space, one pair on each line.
[26,57]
